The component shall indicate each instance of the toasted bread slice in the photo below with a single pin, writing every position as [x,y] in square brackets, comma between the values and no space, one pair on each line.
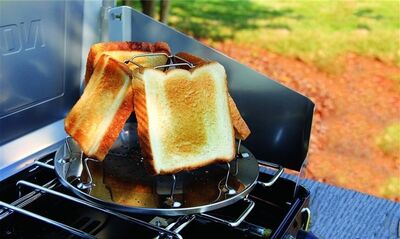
[183,117]
[123,51]
[242,131]
[100,114]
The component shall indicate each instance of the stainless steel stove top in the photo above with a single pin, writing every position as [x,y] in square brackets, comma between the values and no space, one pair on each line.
[36,205]
[43,47]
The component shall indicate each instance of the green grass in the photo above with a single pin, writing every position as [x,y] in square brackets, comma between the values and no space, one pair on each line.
[314,31]
[389,140]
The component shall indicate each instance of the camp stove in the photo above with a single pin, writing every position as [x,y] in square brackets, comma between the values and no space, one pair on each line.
[50,189]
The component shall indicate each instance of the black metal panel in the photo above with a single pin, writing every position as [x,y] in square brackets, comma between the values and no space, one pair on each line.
[279,118]
[40,50]
[277,212]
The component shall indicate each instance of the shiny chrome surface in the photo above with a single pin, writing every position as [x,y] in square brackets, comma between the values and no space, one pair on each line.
[277,174]
[89,184]
[30,191]
[22,152]
[86,203]
[170,63]
[171,201]
[40,66]
[45,165]
[307,212]
[178,225]
[41,76]
[123,184]
[26,199]
[47,220]
[236,222]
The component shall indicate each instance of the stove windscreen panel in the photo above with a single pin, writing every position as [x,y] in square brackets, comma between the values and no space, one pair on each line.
[278,117]
[40,48]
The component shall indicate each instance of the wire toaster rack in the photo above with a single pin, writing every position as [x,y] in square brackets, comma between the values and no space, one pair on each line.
[51,188]
[172,231]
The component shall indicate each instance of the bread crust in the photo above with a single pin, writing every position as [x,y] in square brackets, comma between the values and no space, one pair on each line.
[99,48]
[242,130]
[85,115]
[195,60]
[143,123]
[140,106]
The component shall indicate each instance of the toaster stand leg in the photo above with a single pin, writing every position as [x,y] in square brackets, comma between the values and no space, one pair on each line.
[170,200]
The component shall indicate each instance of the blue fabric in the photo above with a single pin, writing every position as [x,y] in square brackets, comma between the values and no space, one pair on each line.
[343,213]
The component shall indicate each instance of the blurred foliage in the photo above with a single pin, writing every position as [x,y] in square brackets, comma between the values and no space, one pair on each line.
[221,20]
[391,189]
[389,140]
[313,31]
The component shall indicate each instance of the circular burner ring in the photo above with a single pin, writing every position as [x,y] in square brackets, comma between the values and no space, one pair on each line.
[120,182]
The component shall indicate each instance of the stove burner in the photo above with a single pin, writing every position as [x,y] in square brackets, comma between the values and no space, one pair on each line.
[272,217]
[121,182]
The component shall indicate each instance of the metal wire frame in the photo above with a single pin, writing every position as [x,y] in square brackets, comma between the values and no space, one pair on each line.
[107,211]
[16,206]
[70,229]
[171,59]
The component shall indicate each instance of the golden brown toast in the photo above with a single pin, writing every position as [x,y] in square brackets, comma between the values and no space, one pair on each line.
[183,117]
[242,131]
[98,117]
[123,51]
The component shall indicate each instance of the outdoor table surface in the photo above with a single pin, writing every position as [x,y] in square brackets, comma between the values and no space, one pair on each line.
[343,213]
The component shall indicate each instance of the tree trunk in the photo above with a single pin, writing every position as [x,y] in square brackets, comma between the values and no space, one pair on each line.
[127,3]
[148,7]
[164,10]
